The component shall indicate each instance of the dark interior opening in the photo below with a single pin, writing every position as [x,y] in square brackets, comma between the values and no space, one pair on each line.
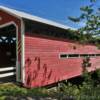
[8,52]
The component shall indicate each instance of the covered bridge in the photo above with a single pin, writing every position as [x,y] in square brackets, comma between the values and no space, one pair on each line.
[39,52]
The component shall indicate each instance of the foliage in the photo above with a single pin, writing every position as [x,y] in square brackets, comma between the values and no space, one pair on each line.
[88,90]
[91,16]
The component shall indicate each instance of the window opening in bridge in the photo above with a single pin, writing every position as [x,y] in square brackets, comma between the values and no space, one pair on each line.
[78,55]
[73,55]
[63,55]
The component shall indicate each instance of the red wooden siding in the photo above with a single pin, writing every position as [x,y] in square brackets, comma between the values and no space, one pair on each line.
[43,65]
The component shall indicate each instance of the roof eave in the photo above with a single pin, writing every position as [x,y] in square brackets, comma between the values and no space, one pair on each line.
[24,15]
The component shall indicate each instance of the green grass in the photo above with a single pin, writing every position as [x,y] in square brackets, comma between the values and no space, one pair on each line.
[9,89]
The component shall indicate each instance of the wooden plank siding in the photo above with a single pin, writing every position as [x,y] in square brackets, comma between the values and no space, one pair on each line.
[44,66]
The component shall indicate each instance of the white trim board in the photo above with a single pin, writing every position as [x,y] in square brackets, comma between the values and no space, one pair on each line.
[23,52]
[7,74]
[7,24]
[7,69]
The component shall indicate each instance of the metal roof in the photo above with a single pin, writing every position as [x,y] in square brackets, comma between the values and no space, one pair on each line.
[34,18]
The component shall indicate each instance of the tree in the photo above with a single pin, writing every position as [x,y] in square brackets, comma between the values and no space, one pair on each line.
[91,16]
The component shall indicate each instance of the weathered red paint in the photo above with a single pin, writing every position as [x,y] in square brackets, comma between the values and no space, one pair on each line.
[43,65]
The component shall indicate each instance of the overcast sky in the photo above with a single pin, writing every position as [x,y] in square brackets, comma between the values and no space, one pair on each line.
[56,10]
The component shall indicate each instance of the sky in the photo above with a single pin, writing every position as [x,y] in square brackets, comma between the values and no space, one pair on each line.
[55,10]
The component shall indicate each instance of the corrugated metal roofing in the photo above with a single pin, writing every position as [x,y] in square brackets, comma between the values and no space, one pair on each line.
[34,18]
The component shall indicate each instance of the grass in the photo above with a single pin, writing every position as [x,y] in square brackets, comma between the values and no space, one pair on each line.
[12,90]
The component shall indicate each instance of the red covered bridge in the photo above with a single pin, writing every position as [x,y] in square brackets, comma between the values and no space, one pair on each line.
[35,50]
